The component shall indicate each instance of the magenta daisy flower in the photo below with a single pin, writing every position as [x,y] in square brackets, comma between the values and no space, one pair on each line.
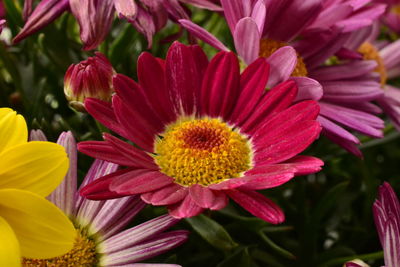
[317,30]
[203,133]
[386,57]
[101,238]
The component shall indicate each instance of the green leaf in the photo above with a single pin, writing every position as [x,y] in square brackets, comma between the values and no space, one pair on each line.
[212,232]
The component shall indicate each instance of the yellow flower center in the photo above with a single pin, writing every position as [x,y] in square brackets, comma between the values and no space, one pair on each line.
[395,9]
[370,52]
[82,254]
[202,151]
[269,46]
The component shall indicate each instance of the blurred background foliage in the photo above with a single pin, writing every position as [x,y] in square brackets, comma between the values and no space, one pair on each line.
[328,215]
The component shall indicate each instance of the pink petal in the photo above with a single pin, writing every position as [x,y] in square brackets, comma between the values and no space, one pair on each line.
[207,198]
[258,205]
[247,39]
[185,209]
[140,158]
[167,195]
[220,86]
[139,181]
[95,20]
[253,81]
[282,61]
[184,73]
[151,75]
[308,89]
[104,113]
[126,9]
[203,34]
[306,164]
[276,100]
[234,11]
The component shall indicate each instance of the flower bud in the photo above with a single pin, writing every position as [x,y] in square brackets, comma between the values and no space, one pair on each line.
[89,78]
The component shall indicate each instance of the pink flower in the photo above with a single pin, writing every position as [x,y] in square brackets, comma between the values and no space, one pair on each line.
[387,61]
[317,30]
[95,17]
[102,238]
[386,211]
[89,78]
[203,132]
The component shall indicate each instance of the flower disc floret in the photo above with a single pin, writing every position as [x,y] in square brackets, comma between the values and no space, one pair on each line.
[369,52]
[202,151]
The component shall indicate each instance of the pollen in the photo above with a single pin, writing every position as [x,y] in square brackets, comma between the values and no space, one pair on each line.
[83,254]
[269,46]
[369,52]
[202,151]
[395,9]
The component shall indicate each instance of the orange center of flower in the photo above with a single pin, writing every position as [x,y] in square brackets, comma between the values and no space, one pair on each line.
[370,52]
[269,46]
[395,9]
[82,254]
[202,151]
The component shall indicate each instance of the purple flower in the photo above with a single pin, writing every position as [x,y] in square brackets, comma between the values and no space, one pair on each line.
[101,239]
[95,16]
[317,30]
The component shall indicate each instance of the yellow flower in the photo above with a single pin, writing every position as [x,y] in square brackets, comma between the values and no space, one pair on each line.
[30,226]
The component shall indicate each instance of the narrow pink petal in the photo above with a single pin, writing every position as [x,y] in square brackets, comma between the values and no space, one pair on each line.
[360,121]
[103,112]
[344,71]
[139,181]
[220,86]
[344,143]
[277,99]
[126,9]
[204,4]
[135,98]
[137,234]
[308,89]
[95,20]
[184,74]
[247,39]
[234,11]
[37,135]
[306,164]
[185,209]
[99,189]
[98,169]
[143,131]
[258,205]
[258,14]
[151,75]
[64,195]
[253,81]
[45,13]
[203,34]
[105,151]
[147,249]
[282,61]
[167,195]
[330,126]
[207,198]
[292,143]
[138,157]
[380,218]
[391,245]
[114,215]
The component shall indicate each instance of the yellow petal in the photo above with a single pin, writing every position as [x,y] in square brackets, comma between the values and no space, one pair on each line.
[35,166]
[43,230]
[13,130]
[9,247]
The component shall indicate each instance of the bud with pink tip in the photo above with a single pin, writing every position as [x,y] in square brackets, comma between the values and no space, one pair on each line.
[89,78]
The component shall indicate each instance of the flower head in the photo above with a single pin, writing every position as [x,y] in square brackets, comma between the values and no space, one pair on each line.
[205,132]
[317,30]
[101,239]
[29,224]
[89,78]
